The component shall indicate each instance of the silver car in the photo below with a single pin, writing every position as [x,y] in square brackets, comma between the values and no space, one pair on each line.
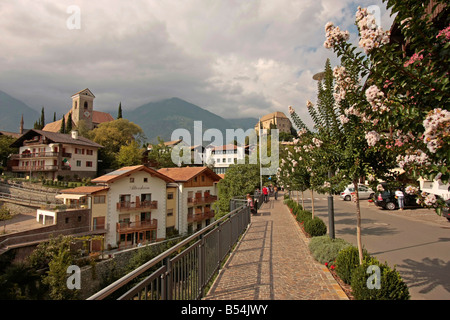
[364,192]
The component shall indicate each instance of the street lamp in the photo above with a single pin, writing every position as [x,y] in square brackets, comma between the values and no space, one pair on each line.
[319,77]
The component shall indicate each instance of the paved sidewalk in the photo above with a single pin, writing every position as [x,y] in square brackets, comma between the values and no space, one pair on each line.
[272,262]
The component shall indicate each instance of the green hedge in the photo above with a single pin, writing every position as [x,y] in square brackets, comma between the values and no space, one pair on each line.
[315,227]
[325,250]
[390,286]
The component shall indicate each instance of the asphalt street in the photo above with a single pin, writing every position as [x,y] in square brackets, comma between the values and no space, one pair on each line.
[414,241]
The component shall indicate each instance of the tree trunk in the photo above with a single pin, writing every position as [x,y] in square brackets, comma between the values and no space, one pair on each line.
[312,202]
[358,222]
[303,203]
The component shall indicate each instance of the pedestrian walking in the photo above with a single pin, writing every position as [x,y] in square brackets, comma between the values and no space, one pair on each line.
[266,194]
[275,190]
[250,203]
[400,198]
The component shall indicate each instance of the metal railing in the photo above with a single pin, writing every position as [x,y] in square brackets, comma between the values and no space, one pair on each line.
[184,271]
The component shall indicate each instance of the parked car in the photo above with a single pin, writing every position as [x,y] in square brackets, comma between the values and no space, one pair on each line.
[387,200]
[364,192]
[445,210]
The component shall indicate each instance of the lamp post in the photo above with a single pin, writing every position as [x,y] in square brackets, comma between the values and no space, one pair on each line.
[319,77]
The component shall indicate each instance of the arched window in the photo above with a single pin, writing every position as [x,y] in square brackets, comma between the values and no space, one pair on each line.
[85,105]
[76,104]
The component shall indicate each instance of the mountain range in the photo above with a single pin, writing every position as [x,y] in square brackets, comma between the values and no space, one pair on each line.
[157,119]
[11,111]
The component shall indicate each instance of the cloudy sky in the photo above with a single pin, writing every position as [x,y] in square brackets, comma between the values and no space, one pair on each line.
[236,58]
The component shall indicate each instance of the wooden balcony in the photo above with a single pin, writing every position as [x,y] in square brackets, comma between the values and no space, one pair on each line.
[201,200]
[137,226]
[34,155]
[200,216]
[138,205]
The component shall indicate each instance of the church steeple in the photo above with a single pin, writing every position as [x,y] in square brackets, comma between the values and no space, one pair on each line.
[21,125]
[82,107]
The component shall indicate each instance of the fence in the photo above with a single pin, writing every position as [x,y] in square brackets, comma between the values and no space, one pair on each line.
[184,271]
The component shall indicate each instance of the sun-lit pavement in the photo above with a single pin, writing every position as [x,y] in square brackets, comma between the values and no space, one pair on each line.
[272,262]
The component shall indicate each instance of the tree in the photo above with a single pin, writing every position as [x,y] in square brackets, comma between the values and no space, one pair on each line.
[112,136]
[130,155]
[42,120]
[63,125]
[159,155]
[406,93]
[119,112]
[69,123]
[5,214]
[239,180]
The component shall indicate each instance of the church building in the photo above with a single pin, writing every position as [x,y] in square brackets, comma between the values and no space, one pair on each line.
[82,110]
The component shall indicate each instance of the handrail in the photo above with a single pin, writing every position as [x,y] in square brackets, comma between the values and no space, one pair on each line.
[146,266]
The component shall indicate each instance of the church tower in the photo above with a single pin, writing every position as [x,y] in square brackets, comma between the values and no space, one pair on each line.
[82,107]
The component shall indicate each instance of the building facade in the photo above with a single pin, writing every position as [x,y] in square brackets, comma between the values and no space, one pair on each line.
[82,110]
[278,119]
[197,191]
[52,155]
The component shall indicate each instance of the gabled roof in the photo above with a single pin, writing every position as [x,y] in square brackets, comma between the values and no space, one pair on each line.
[84,190]
[183,174]
[55,137]
[124,171]
[89,92]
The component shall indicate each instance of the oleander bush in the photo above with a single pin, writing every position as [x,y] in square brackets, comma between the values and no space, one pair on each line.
[315,227]
[346,261]
[390,286]
[325,250]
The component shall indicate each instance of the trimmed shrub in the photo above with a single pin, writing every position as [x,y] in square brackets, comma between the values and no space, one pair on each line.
[315,227]
[303,215]
[325,250]
[391,285]
[346,261]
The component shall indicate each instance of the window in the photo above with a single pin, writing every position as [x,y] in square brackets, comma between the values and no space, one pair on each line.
[89,164]
[99,199]
[79,218]
[169,212]
[85,105]
[78,163]
[89,152]
[203,178]
[218,160]
[145,179]
[170,195]
[146,197]
[131,180]
[67,220]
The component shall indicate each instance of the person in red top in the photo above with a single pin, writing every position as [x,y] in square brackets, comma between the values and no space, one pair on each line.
[266,194]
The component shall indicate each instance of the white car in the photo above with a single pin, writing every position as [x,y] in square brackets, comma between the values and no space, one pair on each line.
[364,192]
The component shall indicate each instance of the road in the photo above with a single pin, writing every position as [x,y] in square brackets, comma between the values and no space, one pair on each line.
[415,241]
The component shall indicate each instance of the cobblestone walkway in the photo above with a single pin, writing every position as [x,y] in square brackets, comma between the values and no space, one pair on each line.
[272,262]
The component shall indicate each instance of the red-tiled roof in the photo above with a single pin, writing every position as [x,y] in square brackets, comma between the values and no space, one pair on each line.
[186,173]
[119,173]
[100,117]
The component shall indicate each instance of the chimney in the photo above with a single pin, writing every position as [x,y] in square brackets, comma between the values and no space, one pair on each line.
[74,134]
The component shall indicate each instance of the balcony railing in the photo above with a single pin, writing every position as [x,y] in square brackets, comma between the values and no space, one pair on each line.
[138,225]
[201,200]
[195,217]
[35,168]
[128,205]
[33,155]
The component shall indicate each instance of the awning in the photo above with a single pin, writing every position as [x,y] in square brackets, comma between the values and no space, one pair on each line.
[70,196]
